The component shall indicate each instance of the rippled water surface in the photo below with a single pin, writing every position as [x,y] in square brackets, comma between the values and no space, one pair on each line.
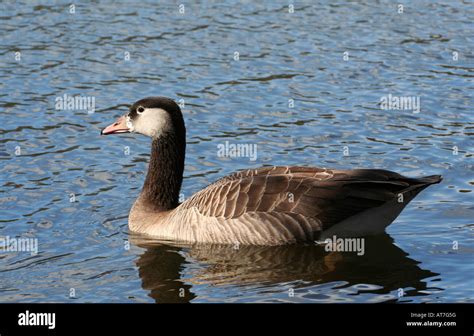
[121,52]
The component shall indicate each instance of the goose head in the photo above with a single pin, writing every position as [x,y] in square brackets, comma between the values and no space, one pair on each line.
[159,118]
[154,117]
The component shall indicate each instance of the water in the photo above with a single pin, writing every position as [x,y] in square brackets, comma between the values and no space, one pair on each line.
[85,252]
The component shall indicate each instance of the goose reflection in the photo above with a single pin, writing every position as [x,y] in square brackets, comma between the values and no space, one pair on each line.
[170,271]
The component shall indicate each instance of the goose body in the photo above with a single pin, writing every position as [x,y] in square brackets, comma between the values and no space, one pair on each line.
[264,206]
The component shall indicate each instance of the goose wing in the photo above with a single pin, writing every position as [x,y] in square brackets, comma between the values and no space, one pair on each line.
[327,196]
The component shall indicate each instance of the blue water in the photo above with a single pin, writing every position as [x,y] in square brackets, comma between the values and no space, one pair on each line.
[334,60]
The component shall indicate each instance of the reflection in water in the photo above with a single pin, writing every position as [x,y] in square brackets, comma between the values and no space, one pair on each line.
[163,271]
[159,268]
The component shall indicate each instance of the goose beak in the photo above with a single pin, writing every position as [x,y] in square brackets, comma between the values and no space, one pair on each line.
[120,126]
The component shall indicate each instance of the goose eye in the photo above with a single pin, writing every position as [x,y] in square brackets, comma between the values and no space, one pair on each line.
[140,109]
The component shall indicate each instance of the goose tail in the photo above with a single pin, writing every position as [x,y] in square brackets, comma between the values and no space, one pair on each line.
[432,179]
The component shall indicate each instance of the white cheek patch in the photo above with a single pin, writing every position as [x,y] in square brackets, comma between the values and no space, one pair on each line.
[130,124]
[153,122]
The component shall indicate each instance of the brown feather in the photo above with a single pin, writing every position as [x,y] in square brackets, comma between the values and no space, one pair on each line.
[329,196]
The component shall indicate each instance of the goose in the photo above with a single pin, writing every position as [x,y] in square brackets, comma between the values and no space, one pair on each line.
[265,206]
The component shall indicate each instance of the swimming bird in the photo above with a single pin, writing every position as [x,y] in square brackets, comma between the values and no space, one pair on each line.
[264,206]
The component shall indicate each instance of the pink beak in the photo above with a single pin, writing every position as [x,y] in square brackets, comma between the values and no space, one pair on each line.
[120,126]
